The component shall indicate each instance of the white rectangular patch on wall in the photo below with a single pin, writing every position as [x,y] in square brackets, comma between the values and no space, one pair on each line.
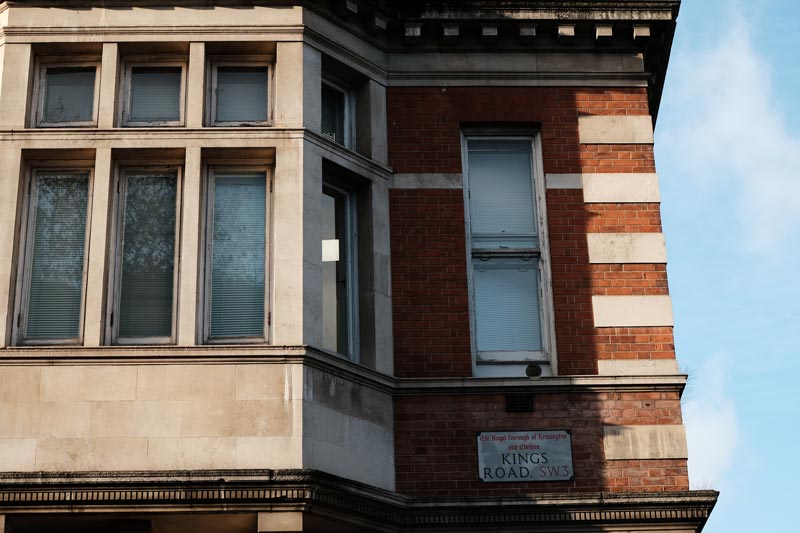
[632,311]
[615,129]
[514,456]
[330,250]
[620,188]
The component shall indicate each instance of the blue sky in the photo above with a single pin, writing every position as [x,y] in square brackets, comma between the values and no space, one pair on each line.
[727,139]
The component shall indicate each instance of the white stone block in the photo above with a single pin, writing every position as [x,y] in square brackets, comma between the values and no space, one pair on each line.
[98,383]
[187,382]
[269,452]
[17,455]
[621,188]
[615,129]
[637,367]
[101,454]
[136,419]
[563,181]
[645,442]
[632,311]
[626,248]
[191,453]
[19,383]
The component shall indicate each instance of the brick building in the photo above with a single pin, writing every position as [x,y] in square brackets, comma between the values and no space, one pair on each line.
[345,265]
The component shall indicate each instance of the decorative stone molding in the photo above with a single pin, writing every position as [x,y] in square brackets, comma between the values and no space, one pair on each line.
[317,493]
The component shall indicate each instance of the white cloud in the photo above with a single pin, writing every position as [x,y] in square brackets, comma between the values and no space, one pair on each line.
[709,414]
[725,129]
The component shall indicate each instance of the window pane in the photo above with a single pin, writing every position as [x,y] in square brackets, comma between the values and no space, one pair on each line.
[56,270]
[335,258]
[238,255]
[501,192]
[69,94]
[148,255]
[333,114]
[241,94]
[507,305]
[155,94]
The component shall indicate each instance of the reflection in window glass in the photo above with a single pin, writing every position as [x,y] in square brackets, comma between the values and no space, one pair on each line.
[55,284]
[333,112]
[148,254]
[337,265]
[69,94]
[242,94]
[238,255]
[155,94]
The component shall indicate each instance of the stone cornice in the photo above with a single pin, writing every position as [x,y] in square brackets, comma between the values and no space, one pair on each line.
[315,492]
[332,364]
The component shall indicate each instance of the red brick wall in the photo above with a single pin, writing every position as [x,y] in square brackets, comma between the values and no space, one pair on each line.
[429,283]
[436,450]
[425,125]
[429,263]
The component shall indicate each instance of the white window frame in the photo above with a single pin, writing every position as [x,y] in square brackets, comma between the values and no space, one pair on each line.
[210,173]
[40,90]
[27,231]
[155,62]
[113,313]
[547,354]
[351,265]
[349,109]
[263,60]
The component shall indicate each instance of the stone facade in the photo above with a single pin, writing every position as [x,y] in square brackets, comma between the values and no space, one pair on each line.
[278,431]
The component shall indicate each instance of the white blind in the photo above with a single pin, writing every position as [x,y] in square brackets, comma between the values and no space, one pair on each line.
[148,254]
[56,271]
[507,305]
[238,255]
[69,94]
[241,94]
[501,193]
[333,113]
[155,94]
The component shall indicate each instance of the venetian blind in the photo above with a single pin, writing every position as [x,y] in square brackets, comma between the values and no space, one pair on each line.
[147,267]
[55,286]
[155,94]
[238,255]
[501,193]
[242,94]
[507,305]
[69,94]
